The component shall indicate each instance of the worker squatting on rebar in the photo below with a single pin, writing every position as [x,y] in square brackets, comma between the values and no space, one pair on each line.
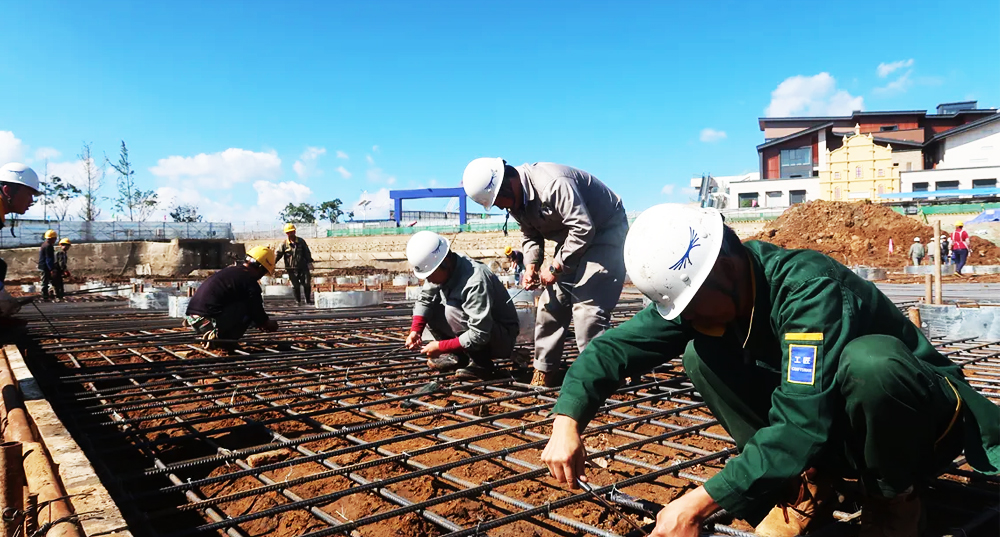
[298,264]
[463,309]
[230,301]
[588,223]
[18,188]
[812,370]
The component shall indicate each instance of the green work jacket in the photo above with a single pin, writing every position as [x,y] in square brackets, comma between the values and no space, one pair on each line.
[802,297]
[296,255]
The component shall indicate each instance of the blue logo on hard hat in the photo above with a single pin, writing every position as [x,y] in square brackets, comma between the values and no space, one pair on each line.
[438,249]
[685,260]
[493,176]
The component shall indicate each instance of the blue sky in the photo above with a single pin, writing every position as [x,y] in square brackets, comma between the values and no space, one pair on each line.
[242,106]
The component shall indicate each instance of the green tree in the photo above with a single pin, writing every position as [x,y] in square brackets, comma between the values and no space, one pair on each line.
[58,194]
[330,210]
[302,213]
[185,213]
[139,204]
[93,180]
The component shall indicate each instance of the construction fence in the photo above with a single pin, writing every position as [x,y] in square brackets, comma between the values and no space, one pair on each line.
[20,233]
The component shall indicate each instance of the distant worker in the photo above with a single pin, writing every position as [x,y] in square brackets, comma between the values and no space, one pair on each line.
[945,250]
[18,187]
[62,258]
[917,251]
[960,246]
[588,224]
[51,275]
[298,263]
[463,306]
[932,250]
[516,260]
[230,300]
[814,373]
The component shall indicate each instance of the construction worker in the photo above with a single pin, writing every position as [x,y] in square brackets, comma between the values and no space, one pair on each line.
[62,258]
[960,246]
[18,188]
[588,224]
[230,301]
[813,372]
[51,275]
[945,249]
[463,306]
[917,251]
[516,260]
[298,262]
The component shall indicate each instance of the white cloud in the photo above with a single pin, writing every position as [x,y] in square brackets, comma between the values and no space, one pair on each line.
[668,189]
[711,135]
[212,208]
[886,69]
[272,197]
[811,96]
[307,166]
[900,85]
[343,172]
[43,153]
[369,159]
[374,149]
[341,154]
[11,148]
[219,170]
[378,207]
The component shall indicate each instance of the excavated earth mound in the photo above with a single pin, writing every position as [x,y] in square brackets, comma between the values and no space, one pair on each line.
[858,234]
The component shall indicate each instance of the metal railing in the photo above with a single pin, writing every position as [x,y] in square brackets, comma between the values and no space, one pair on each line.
[30,232]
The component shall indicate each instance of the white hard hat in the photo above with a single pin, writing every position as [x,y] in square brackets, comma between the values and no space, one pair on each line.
[21,174]
[482,180]
[425,251]
[916,239]
[670,251]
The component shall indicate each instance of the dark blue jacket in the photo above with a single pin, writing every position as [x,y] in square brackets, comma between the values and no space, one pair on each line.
[47,257]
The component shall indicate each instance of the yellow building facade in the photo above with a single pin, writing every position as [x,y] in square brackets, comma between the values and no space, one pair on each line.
[860,169]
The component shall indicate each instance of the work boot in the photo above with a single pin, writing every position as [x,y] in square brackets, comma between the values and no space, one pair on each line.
[545,379]
[808,503]
[447,362]
[891,517]
[475,372]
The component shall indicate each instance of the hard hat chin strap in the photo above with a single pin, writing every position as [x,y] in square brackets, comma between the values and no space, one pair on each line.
[505,220]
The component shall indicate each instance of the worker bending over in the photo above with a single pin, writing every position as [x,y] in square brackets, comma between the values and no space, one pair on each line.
[18,188]
[588,224]
[51,275]
[813,371]
[230,300]
[298,263]
[464,307]
[516,260]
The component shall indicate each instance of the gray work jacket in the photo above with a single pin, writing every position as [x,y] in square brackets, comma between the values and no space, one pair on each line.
[479,293]
[564,205]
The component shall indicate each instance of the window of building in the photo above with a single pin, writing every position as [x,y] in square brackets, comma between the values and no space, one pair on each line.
[881,172]
[836,193]
[921,187]
[888,128]
[796,196]
[748,199]
[774,198]
[836,175]
[946,185]
[984,183]
[796,162]
[857,173]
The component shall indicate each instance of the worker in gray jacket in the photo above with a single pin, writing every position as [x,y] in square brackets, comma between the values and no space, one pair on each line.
[587,222]
[463,306]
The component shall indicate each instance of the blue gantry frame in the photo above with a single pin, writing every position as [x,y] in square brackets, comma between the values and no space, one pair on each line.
[420,193]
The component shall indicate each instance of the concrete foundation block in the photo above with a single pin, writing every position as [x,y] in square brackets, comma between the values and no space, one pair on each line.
[320,280]
[870,273]
[952,322]
[156,300]
[177,306]
[348,299]
[982,269]
[348,280]
[278,290]
[70,287]
[404,279]
[929,269]
[413,292]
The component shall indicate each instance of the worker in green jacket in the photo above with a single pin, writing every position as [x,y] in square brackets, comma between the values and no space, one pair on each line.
[813,371]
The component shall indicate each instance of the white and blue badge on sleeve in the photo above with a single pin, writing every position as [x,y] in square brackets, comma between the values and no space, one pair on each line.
[802,364]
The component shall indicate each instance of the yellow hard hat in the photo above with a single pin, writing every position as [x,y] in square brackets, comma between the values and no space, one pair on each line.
[263,256]
[289,227]
[508,250]
[959,224]
[65,241]
[51,234]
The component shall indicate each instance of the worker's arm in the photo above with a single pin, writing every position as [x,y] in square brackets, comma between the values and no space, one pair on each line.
[814,323]
[279,254]
[575,216]
[308,256]
[533,245]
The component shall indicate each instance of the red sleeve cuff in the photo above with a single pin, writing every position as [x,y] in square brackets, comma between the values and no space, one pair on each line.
[418,324]
[449,345]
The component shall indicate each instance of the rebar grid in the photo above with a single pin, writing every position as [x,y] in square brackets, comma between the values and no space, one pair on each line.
[315,430]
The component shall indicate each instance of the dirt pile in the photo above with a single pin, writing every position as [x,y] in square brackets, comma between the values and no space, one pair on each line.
[858,234]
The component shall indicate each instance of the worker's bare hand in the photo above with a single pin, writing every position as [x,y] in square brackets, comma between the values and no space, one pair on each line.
[431,349]
[530,278]
[270,326]
[547,277]
[564,452]
[413,340]
[683,516]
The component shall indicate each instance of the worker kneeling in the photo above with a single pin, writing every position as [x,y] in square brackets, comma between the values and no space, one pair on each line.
[813,371]
[463,306]
[230,301]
